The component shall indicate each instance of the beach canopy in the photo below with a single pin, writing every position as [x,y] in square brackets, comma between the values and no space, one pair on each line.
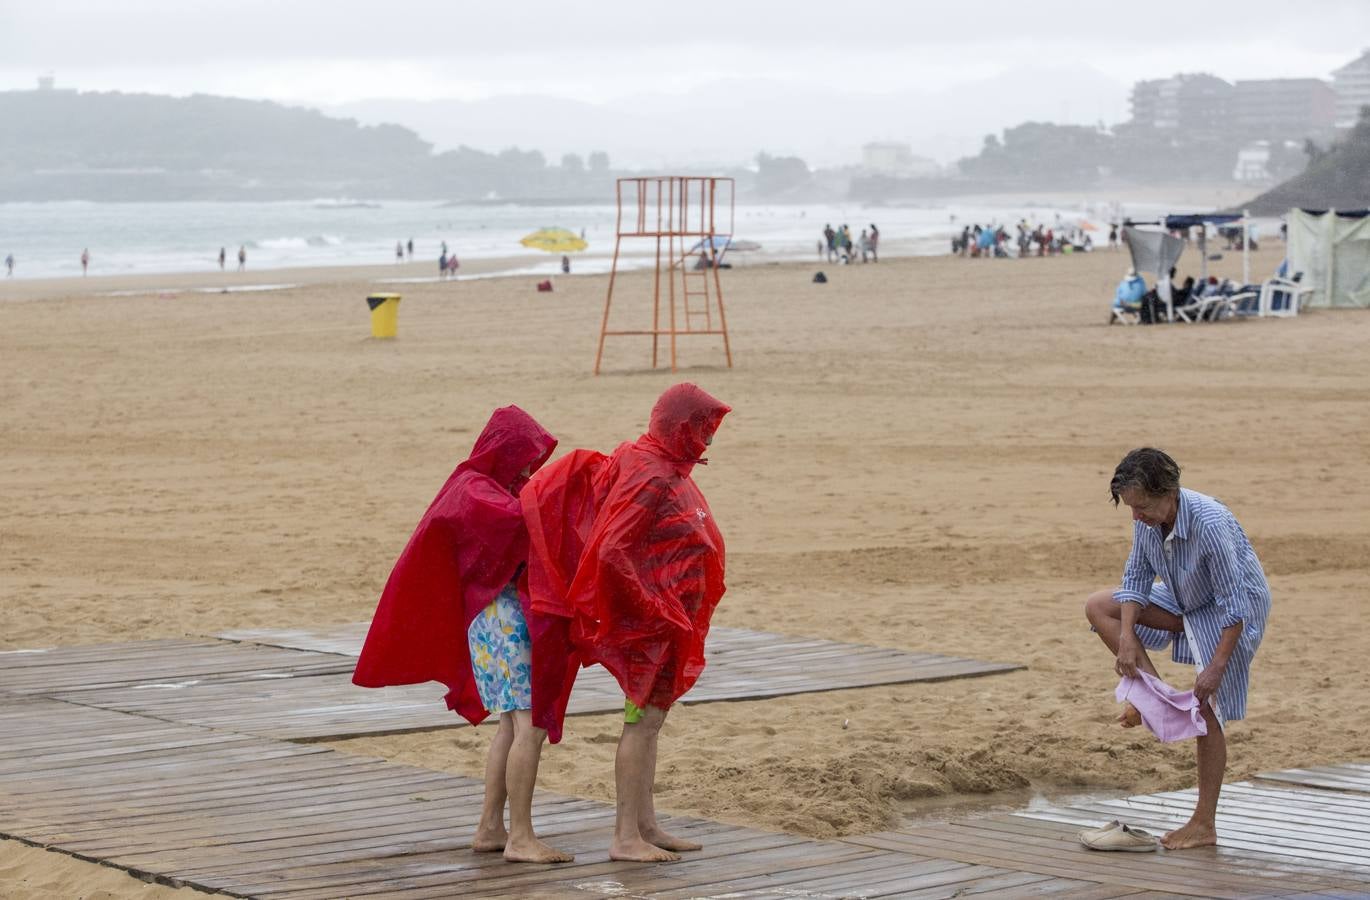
[1186,221]
[1189,220]
[555,240]
[1153,252]
[1332,250]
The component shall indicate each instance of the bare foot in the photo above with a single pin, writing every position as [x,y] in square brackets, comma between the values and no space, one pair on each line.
[489,840]
[533,850]
[640,850]
[658,838]
[1190,835]
[1130,718]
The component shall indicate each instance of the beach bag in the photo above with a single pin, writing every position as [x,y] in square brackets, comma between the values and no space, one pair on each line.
[820,278]
[544,287]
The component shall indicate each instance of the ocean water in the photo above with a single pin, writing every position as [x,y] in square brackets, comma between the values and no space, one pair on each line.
[46,239]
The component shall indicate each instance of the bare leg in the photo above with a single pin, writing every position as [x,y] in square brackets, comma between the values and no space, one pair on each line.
[490,833]
[1202,828]
[1105,615]
[633,767]
[520,776]
[647,825]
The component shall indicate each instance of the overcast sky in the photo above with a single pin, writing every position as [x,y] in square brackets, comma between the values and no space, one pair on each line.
[333,51]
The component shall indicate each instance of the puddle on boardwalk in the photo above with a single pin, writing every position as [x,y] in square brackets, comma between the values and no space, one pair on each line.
[936,810]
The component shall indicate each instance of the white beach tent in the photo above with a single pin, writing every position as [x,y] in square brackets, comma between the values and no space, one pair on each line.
[1332,250]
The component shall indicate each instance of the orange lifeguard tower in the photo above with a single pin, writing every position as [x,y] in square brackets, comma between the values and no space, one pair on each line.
[691,219]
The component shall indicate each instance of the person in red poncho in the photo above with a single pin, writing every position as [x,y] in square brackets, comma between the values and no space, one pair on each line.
[452,612]
[626,550]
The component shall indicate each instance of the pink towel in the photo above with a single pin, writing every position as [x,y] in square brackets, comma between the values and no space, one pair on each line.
[1169,714]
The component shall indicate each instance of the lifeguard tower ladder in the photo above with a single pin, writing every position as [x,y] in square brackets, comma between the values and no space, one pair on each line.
[682,214]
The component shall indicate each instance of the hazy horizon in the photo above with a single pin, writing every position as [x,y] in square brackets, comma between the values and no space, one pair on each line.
[651,88]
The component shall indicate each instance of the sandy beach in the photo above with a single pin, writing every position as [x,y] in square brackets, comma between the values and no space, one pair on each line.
[918,457]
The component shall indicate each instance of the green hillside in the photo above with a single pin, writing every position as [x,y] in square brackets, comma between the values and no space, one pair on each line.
[65,145]
[1338,178]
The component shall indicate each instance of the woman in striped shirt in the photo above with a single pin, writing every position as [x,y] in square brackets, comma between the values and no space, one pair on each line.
[1211,602]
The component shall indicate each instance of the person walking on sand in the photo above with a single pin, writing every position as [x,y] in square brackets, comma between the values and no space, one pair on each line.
[85,261]
[565,264]
[626,550]
[411,249]
[1211,602]
[875,243]
[222,257]
[399,252]
[9,266]
[242,258]
[453,612]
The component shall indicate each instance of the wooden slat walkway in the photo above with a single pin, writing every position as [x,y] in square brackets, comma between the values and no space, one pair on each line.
[156,663]
[1047,847]
[296,685]
[256,817]
[252,816]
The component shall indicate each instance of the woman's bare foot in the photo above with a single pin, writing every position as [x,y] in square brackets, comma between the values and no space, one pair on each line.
[1190,835]
[640,850]
[658,838]
[489,840]
[1130,718]
[532,850]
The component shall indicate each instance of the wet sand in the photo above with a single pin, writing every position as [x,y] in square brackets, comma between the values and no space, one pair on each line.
[918,458]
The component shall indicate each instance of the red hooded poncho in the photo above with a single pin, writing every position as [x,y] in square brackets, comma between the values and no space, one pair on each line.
[465,550]
[625,548]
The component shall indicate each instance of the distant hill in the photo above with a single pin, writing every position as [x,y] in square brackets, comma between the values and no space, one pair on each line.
[1337,178]
[65,145]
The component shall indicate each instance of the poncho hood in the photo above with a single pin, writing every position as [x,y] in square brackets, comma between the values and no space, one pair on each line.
[683,420]
[510,442]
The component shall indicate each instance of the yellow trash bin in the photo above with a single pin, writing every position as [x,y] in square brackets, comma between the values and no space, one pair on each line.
[385,314]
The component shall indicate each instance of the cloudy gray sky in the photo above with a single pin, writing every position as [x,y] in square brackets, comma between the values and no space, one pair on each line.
[327,52]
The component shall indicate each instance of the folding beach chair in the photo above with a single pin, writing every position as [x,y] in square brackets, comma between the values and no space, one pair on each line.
[1281,297]
[1244,303]
[1122,316]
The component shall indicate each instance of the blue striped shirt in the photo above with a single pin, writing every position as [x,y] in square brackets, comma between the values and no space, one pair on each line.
[1210,577]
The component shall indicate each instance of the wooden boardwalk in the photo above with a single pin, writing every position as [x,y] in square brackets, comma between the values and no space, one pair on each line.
[298,685]
[217,807]
[252,816]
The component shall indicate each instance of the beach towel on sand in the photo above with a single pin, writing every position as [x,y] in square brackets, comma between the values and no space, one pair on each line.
[467,547]
[626,550]
[1169,714]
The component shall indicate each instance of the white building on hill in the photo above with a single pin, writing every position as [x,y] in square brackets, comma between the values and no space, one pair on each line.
[1352,85]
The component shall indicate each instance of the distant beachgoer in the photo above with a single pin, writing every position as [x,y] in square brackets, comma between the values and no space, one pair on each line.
[831,237]
[444,248]
[1211,603]
[865,246]
[242,258]
[1130,291]
[399,252]
[442,263]
[85,261]
[411,249]
[820,248]
[565,265]
[9,265]
[452,264]
[222,256]
[875,243]
[1113,237]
